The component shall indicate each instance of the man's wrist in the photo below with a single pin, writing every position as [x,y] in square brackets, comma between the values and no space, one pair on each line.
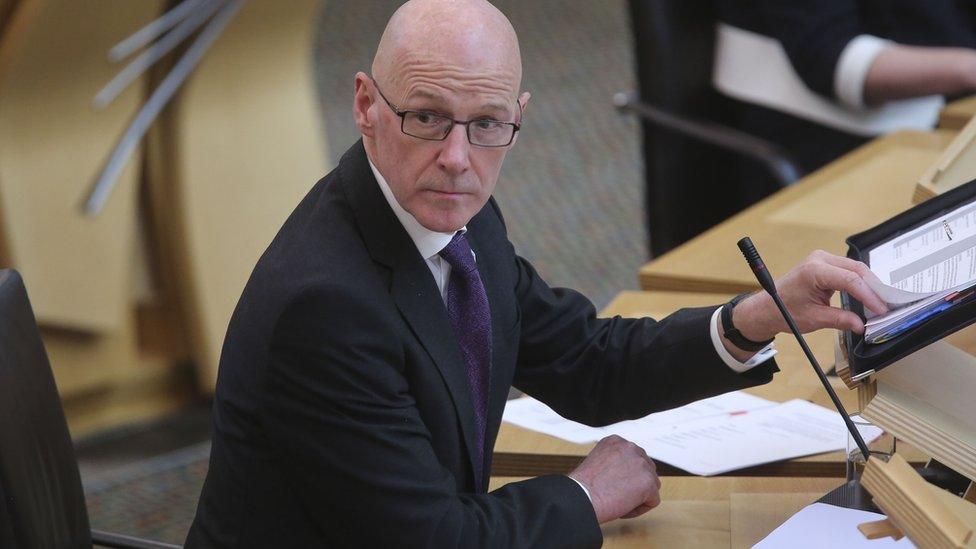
[968,71]
[585,489]
[748,319]
[735,358]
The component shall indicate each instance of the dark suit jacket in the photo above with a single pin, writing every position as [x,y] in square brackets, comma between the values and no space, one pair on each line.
[342,414]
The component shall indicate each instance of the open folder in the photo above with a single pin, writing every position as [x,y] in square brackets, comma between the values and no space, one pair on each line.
[924,260]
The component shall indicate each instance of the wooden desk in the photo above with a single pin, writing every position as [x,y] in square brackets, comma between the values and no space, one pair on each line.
[854,193]
[521,452]
[956,114]
[712,512]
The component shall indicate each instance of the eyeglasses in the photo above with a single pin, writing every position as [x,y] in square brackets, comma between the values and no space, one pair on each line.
[483,132]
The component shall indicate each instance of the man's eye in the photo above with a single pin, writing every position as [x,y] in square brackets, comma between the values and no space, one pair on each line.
[489,126]
[427,118]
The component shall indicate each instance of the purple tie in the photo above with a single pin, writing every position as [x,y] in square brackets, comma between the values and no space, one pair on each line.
[467,306]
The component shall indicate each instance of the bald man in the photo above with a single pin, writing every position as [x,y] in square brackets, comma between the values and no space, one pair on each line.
[365,370]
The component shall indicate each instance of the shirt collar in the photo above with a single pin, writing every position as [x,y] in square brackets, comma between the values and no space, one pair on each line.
[429,243]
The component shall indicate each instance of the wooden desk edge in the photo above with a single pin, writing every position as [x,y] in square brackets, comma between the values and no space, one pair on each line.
[652,281]
[512,464]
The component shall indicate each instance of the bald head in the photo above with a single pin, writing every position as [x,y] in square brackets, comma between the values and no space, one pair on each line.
[442,108]
[445,39]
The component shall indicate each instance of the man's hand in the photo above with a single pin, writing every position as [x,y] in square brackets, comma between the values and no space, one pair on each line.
[806,291]
[621,479]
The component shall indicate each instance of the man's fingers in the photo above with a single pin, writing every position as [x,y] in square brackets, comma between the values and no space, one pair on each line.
[831,277]
[845,263]
[829,317]
[638,511]
[861,269]
[654,500]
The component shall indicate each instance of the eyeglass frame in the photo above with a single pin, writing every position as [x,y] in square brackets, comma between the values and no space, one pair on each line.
[402,113]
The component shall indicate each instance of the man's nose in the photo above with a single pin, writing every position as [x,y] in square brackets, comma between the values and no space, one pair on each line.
[454,157]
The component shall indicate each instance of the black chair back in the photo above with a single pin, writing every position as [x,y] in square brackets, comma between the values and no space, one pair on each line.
[43,504]
[690,184]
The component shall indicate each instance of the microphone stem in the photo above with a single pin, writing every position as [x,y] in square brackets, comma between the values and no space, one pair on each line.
[851,428]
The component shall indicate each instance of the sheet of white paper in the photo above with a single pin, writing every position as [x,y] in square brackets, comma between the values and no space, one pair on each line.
[718,444]
[531,414]
[736,402]
[892,295]
[821,525]
[711,436]
[936,256]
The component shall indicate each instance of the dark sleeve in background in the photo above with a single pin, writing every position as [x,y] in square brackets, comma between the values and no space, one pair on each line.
[815,32]
[600,371]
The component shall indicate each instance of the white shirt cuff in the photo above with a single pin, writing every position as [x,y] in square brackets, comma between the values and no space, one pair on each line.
[585,491]
[763,355]
[852,68]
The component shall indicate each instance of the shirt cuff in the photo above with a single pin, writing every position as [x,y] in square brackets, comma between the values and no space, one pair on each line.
[852,68]
[585,491]
[763,355]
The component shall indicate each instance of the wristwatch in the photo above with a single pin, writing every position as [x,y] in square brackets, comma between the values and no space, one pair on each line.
[733,333]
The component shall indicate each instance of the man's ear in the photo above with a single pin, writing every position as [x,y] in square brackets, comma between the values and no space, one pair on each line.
[523,100]
[362,104]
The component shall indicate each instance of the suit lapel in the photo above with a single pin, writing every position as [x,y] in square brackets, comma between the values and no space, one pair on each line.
[420,303]
[412,286]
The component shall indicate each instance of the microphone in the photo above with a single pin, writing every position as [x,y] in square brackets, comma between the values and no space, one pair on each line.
[766,281]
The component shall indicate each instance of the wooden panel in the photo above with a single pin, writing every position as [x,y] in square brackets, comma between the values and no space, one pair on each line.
[955,166]
[929,516]
[958,113]
[52,145]
[854,193]
[247,147]
[926,398]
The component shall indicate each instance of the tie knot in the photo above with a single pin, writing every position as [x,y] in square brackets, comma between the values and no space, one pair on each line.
[458,254]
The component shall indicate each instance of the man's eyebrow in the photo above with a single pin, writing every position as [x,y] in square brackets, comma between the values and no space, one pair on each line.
[498,107]
[492,106]
[424,94]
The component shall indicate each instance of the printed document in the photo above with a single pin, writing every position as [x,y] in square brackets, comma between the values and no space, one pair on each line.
[711,436]
[937,256]
[922,273]
[531,414]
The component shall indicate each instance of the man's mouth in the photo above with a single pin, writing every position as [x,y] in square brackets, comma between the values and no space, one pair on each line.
[446,193]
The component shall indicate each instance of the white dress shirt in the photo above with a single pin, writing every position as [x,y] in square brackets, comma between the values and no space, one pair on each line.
[429,243]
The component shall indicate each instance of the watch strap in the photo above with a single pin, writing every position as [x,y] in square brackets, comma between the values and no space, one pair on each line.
[733,334]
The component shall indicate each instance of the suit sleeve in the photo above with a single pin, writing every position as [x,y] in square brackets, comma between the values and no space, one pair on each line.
[814,34]
[600,371]
[341,417]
